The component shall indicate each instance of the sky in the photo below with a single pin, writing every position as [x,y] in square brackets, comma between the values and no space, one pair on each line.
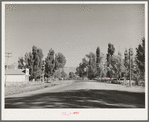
[72,29]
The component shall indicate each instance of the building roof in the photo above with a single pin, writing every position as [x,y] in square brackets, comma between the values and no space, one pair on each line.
[15,72]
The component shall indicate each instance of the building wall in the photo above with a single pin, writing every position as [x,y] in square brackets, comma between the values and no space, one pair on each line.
[26,77]
[16,78]
[27,71]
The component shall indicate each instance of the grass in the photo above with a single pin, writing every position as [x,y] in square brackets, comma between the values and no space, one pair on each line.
[16,88]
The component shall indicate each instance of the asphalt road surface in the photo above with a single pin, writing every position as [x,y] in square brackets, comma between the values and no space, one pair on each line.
[80,94]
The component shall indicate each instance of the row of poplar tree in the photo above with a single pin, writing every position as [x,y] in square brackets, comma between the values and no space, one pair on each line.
[50,66]
[114,66]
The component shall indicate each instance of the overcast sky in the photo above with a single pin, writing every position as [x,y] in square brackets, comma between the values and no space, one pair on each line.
[74,30]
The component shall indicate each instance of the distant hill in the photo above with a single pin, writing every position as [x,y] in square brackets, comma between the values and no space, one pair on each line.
[69,69]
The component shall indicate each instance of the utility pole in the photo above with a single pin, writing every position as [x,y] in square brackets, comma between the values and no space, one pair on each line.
[90,64]
[8,55]
[43,71]
[129,68]
[126,58]
[130,54]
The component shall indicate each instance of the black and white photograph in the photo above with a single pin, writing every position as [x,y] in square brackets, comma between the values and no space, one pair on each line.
[74,60]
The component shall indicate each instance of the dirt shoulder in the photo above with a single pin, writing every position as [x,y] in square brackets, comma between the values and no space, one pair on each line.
[27,87]
[16,89]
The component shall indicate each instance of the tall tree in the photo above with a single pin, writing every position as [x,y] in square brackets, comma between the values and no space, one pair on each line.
[97,56]
[119,66]
[50,63]
[98,70]
[111,49]
[32,61]
[84,68]
[140,58]
[81,70]
[60,61]
[99,64]
[54,64]
[91,65]
[37,61]
[110,60]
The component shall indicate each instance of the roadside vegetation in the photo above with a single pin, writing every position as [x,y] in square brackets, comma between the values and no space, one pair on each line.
[111,67]
[115,67]
[22,87]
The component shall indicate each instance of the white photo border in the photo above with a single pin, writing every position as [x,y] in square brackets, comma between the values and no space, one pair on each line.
[84,114]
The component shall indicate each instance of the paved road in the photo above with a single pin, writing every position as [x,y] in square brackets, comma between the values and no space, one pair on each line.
[80,94]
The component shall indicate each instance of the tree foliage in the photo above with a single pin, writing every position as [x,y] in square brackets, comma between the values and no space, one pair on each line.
[37,61]
[90,67]
[97,56]
[53,63]
[49,63]
[111,49]
[72,75]
[21,63]
[140,58]
[32,61]
[99,64]
[128,54]
[119,66]
[57,74]
[64,74]
[111,62]
[81,71]
[60,61]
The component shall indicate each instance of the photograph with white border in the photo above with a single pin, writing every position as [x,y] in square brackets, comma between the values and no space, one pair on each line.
[74,60]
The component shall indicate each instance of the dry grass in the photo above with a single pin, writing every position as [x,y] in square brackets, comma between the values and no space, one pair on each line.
[16,88]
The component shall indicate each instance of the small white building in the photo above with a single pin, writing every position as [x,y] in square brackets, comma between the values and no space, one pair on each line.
[17,75]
